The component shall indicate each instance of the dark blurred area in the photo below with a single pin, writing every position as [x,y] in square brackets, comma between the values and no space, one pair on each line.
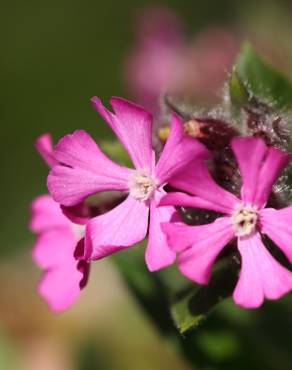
[54,57]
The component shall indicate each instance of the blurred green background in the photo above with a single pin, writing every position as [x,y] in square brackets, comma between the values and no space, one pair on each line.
[55,55]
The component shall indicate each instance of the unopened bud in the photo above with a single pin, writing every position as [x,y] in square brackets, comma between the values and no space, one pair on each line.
[163,133]
[193,129]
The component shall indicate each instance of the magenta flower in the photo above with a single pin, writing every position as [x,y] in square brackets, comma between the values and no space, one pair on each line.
[85,170]
[162,59]
[246,219]
[59,246]
[159,57]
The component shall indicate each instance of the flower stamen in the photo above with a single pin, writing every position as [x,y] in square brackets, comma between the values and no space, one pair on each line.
[142,185]
[244,220]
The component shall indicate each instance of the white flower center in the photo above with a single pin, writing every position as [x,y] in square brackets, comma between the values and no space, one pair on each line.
[142,185]
[78,230]
[244,220]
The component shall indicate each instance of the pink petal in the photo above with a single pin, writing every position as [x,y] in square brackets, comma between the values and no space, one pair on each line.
[62,282]
[54,247]
[271,169]
[261,275]
[44,146]
[46,214]
[117,229]
[278,226]
[196,179]
[260,167]
[133,126]
[185,200]
[57,238]
[64,276]
[158,254]
[250,153]
[178,151]
[54,251]
[196,263]
[61,287]
[85,171]
[179,235]
[199,246]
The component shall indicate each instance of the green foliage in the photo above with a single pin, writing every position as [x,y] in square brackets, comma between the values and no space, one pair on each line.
[252,77]
[191,309]
[219,345]
[116,152]
[148,288]
[238,92]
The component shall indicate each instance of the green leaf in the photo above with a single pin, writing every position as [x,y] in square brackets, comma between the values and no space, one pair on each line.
[252,76]
[191,308]
[219,345]
[238,92]
[116,152]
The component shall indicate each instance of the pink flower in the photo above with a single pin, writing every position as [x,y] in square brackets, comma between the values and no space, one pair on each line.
[85,170]
[164,60]
[246,218]
[159,58]
[59,247]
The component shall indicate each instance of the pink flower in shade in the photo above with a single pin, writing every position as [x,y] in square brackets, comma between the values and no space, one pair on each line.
[164,60]
[159,58]
[85,170]
[59,246]
[245,219]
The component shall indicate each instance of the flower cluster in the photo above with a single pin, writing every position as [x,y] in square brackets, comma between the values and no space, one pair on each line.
[72,232]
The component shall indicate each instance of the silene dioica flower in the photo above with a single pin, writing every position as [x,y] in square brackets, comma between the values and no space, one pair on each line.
[59,246]
[247,218]
[162,59]
[84,170]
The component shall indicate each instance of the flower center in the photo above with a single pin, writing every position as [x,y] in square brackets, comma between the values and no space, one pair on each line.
[244,220]
[142,185]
